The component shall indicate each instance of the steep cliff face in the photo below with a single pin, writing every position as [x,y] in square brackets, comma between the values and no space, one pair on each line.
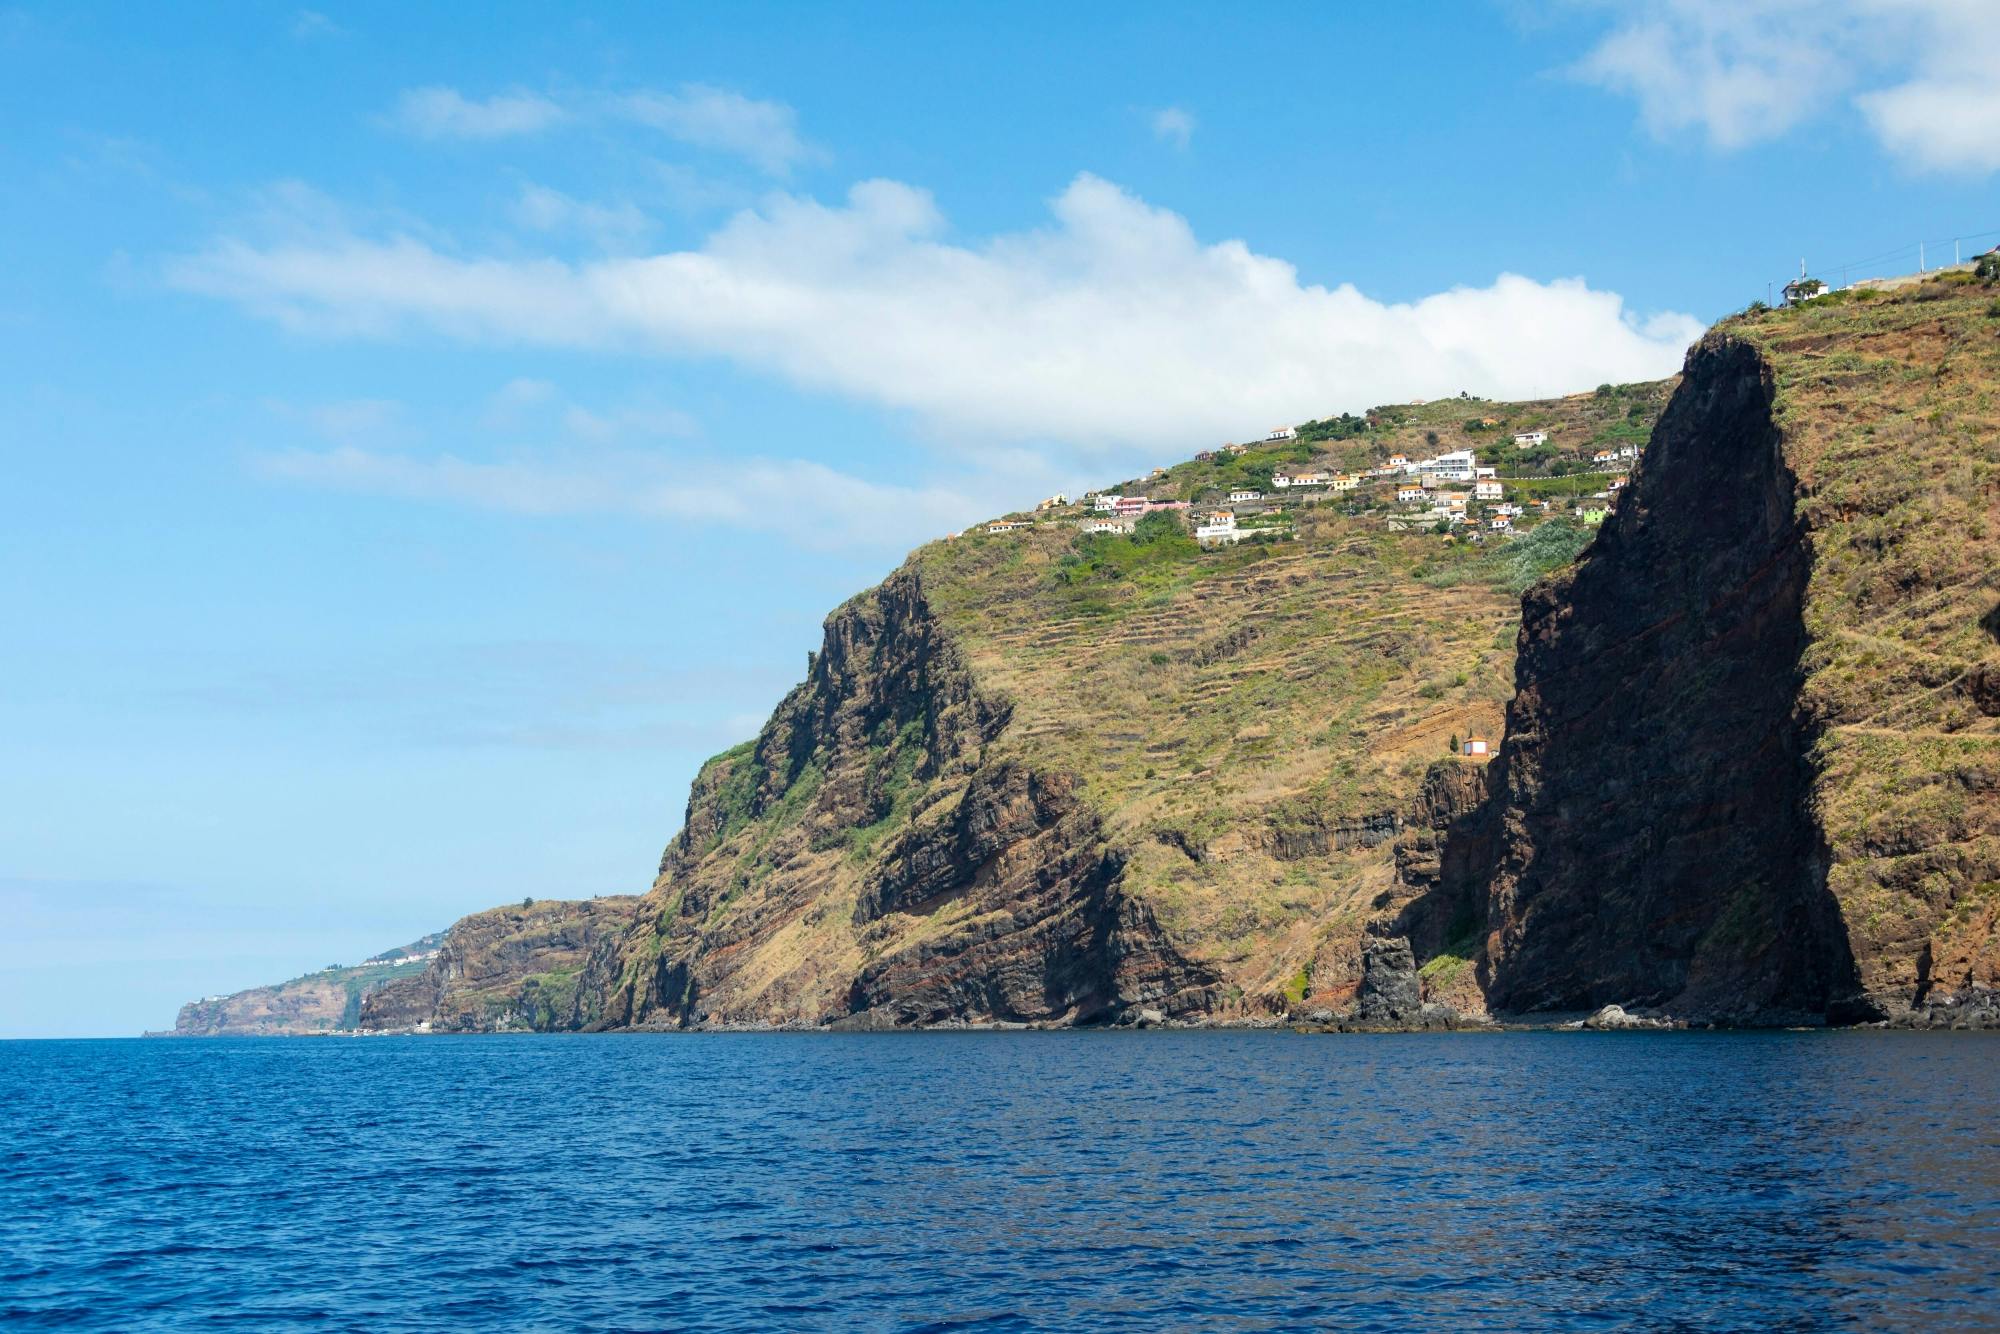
[1748,772]
[507,968]
[865,857]
[1656,845]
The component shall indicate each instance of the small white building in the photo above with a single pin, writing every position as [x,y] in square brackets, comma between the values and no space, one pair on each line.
[1500,523]
[1483,471]
[1282,433]
[1409,492]
[1603,456]
[1109,526]
[1220,530]
[1454,467]
[1008,526]
[1105,502]
[1400,462]
[1529,439]
[1487,489]
[1628,452]
[1474,748]
[1245,497]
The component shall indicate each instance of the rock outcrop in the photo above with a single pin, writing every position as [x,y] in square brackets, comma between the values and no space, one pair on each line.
[328,1001]
[865,856]
[504,969]
[1747,775]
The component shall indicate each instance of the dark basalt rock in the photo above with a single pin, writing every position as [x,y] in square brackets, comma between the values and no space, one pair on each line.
[1390,989]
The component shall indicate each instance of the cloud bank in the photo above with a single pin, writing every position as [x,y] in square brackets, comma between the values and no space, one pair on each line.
[1111,327]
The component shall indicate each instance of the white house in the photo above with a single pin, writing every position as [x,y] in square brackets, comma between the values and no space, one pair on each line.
[1529,439]
[1500,523]
[1408,493]
[1485,472]
[1105,502]
[1474,748]
[1008,526]
[1618,483]
[1511,511]
[1487,489]
[1603,456]
[1400,462]
[1245,497]
[1456,466]
[1110,525]
[1220,530]
[1628,452]
[1282,433]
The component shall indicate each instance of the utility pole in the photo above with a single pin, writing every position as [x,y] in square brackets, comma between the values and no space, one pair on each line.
[1954,252]
[1920,257]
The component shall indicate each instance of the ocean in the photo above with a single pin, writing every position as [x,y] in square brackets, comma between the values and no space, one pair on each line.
[976,1181]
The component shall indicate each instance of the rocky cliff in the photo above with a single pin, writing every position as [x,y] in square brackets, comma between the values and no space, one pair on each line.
[328,1001]
[504,969]
[1751,769]
[1748,766]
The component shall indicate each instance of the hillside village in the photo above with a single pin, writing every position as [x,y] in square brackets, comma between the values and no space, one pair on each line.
[1466,469]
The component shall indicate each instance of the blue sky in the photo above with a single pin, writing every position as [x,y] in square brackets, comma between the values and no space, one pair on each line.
[426,439]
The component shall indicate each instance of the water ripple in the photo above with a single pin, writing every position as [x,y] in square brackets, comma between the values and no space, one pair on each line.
[971,1182]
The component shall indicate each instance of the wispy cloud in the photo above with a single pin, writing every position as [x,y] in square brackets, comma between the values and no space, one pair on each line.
[1174,126]
[308,24]
[805,502]
[445,113]
[1925,74]
[611,226]
[1114,327]
[716,119]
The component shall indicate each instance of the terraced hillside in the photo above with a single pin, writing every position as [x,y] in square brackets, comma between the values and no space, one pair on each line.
[1046,776]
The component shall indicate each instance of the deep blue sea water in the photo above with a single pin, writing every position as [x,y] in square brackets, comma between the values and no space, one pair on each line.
[1003,1181]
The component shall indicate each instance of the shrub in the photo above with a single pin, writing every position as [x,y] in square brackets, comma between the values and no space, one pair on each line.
[1987,270]
[1158,526]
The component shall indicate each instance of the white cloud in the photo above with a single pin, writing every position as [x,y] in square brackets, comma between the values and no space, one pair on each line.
[445,113]
[1946,117]
[1925,74]
[1742,72]
[1174,126]
[1113,327]
[765,133]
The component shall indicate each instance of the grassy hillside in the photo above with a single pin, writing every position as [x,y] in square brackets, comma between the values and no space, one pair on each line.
[1034,754]
[1890,407]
